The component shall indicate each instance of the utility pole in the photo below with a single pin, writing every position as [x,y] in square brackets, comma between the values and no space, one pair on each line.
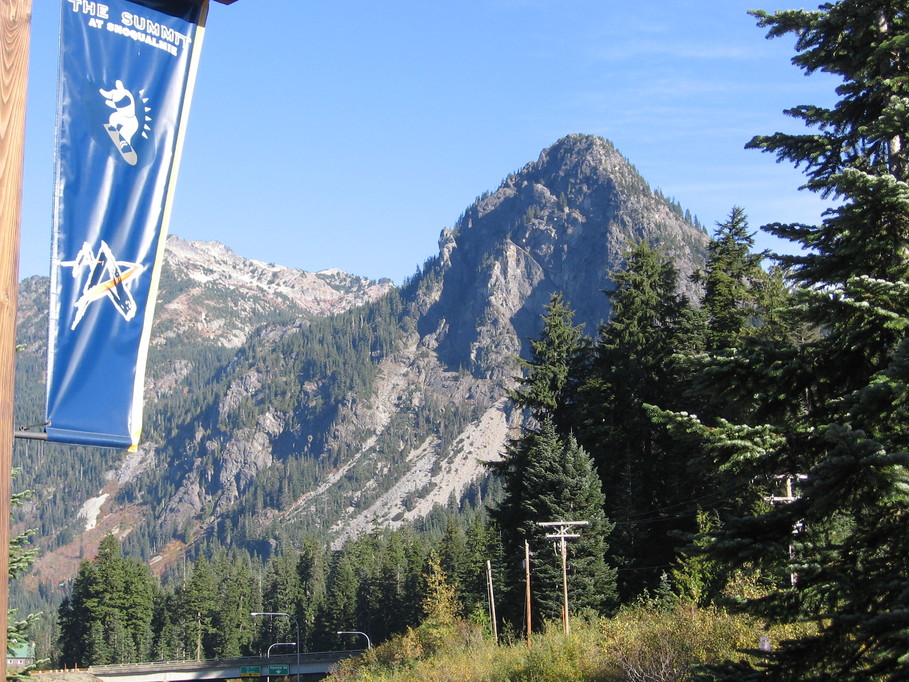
[527,588]
[563,533]
[492,602]
[789,497]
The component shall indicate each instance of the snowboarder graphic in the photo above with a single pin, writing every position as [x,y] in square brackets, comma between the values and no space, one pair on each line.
[123,122]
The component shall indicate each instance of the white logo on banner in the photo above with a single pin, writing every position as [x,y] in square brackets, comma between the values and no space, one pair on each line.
[125,122]
[106,277]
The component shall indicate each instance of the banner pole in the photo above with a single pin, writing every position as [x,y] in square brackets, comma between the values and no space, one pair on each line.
[15,27]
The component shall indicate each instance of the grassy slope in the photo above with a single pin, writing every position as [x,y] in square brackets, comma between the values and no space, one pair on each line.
[645,642]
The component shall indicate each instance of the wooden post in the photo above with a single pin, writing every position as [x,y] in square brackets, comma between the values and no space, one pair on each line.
[15,26]
[492,603]
[527,589]
[565,624]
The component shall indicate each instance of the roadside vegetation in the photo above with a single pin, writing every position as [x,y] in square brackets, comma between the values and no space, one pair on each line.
[652,641]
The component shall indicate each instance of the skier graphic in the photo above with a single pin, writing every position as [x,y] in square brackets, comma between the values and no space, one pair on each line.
[107,277]
[123,122]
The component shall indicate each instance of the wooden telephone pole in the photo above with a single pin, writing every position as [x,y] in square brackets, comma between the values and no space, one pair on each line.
[562,534]
[527,592]
[790,496]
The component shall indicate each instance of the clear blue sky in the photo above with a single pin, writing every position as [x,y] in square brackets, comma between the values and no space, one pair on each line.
[348,134]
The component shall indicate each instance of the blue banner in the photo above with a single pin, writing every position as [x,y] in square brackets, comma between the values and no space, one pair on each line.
[126,73]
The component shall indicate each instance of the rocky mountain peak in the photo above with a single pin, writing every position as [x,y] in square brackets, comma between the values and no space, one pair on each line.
[282,402]
[560,224]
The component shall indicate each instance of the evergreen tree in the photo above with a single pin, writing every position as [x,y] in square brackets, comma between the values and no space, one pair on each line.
[69,644]
[311,573]
[744,312]
[21,557]
[643,470]
[452,554]
[440,605]
[168,644]
[389,611]
[416,555]
[232,629]
[107,618]
[339,611]
[553,372]
[550,478]
[370,559]
[198,600]
[484,544]
[282,594]
[835,405]
[730,282]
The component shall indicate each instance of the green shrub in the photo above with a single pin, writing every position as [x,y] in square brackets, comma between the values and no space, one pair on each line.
[660,645]
[648,641]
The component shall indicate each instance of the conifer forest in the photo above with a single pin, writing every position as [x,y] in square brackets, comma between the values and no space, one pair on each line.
[743,451]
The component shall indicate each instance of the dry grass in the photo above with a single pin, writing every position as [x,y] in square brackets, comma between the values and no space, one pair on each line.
[640,643]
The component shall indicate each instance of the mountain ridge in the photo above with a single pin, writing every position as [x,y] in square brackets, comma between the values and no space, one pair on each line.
[268,419]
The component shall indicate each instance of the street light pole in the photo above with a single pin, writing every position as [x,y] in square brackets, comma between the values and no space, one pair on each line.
[356,632]
[293,618]
[268,654]
[270,646]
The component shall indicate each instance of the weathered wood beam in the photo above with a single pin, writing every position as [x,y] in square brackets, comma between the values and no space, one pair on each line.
[15,34]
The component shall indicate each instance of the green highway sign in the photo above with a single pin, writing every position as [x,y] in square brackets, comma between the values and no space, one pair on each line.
[250,671]
[279,670]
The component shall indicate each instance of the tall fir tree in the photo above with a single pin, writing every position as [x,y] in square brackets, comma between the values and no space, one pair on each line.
[233,631]
[281,594]
[548,477]
[554,371]
[634,364]
[389,608]
[484,544]
[834,407]
[312,566]
[197,599]
[730,280]
[107,617]
[339,610]
[453,558]
[168,644]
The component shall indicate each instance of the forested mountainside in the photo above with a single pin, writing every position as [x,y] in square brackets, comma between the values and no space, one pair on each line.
[747,452]
[282,403]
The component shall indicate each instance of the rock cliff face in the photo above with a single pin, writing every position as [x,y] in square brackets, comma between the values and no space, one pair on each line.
[560,224]
[283,402]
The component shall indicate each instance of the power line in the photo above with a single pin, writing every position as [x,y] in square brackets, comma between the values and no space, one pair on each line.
[642,517]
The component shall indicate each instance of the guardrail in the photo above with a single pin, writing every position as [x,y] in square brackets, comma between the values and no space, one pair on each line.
[305,657]
[311,662]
